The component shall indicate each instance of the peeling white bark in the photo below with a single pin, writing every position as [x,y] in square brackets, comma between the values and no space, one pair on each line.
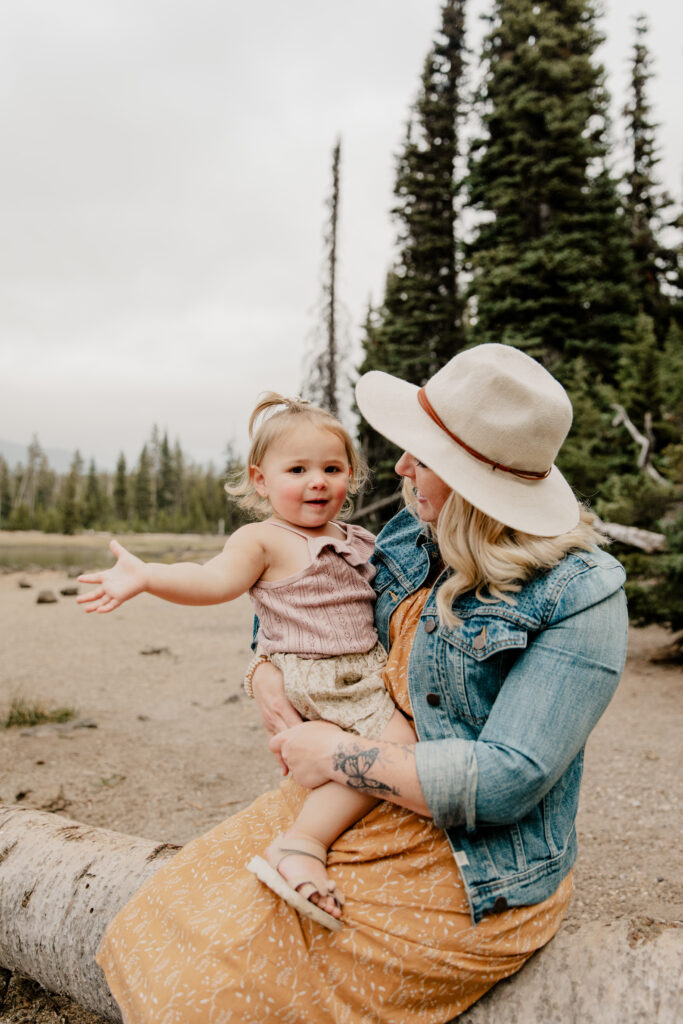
[646,540]
[60,884]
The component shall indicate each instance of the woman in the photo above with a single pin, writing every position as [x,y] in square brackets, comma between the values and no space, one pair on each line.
[506,630]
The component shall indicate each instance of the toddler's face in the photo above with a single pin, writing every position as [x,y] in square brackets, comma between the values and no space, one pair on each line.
[304,475]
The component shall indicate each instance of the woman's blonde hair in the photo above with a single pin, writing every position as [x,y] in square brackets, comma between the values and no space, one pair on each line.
[273,416]
[492,559]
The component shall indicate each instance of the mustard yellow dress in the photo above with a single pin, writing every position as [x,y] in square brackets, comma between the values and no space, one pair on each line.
[204,942]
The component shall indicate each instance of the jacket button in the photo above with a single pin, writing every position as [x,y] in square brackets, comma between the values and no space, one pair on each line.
[430,625]
[500,905]
[433,699]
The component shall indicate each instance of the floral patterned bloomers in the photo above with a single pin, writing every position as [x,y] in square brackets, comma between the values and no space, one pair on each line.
[347,689]
[203,942]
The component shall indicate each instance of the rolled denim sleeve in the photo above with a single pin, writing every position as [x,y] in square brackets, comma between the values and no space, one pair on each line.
[544,712]
[447,770]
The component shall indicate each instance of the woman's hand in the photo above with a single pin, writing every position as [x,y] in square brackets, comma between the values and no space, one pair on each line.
[307,751]
[277,714]
[124,580]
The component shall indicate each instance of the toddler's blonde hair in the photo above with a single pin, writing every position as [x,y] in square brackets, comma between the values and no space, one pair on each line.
[490,558]
[273,416]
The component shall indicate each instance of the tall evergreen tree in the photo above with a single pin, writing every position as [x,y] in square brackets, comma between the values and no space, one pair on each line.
[121,500]
[379,453]
[421,317]
[46,485]
[419,325]
[5,494]
[94,509]
[550,257]
[70,497]
[671,386]
[143,495]
[648,207]
[166,485]
[180,500]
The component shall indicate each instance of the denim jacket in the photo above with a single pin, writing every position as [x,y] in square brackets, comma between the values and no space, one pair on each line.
[503,706]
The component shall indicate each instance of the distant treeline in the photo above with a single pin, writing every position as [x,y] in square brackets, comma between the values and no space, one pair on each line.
[163,492]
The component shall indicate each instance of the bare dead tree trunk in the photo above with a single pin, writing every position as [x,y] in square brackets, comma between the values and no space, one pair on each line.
[646,442]
[331,381]
[60,885]
[321,382]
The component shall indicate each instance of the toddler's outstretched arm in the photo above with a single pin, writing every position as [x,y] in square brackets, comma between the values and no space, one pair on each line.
[239,565]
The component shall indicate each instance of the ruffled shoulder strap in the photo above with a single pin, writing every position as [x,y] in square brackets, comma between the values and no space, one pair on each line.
[355,548]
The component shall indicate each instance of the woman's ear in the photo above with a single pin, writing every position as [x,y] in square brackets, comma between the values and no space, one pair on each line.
[258,481]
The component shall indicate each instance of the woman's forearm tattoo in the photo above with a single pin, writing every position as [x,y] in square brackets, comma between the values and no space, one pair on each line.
[356,765]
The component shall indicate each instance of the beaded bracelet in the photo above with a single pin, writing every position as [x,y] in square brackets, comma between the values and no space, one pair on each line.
[257,660]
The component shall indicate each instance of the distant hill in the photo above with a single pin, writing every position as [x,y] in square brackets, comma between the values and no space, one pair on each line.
[13,453]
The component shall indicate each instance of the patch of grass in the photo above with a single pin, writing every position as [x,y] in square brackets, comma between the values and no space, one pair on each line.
[112,780]
[25,713]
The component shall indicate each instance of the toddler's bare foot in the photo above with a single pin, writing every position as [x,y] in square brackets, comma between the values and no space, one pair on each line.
[297,865]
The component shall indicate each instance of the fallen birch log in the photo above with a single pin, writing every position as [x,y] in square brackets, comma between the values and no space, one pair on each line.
[646,540]
[62,882]
[620,973]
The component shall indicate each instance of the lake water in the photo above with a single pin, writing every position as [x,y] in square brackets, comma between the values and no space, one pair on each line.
[51,551]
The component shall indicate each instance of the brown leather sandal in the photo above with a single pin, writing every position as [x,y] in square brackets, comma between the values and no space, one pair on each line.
[291,892]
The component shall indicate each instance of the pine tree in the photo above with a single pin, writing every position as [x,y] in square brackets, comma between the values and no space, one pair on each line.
[550,258]
[121,501]
[649,495]
[671,413]
[180,498]
[231,513]
[587,458]
[5,494]
[660,598]
[143,495]
[421,317]
[166,484]
[34,456]
[70,498]
[94,499]
[419,325]
[379,453]
[656,266]
[639,379]
[46,486]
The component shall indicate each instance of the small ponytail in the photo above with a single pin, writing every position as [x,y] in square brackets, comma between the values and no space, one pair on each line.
[271,400]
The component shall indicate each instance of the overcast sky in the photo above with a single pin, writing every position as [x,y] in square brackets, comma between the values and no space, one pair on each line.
[164,169]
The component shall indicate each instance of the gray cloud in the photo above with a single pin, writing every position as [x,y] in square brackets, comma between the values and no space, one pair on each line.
[162,186]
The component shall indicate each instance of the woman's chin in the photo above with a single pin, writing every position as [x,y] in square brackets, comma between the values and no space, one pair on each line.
[425,512]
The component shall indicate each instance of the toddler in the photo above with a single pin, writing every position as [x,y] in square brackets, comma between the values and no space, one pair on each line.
[310,582]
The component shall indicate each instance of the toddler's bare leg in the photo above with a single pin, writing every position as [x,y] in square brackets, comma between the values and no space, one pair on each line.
[330,810]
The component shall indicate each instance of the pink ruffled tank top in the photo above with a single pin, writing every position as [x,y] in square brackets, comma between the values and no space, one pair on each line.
[328,607]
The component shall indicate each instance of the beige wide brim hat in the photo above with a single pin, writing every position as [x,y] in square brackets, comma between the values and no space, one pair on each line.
[495,424]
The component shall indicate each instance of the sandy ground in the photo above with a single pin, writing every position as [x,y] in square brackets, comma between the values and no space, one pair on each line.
[168,745]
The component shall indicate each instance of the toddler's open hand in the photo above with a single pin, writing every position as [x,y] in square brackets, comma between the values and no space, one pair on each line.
[124,580]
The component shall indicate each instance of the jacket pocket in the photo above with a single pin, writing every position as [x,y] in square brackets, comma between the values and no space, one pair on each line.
[478,655]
